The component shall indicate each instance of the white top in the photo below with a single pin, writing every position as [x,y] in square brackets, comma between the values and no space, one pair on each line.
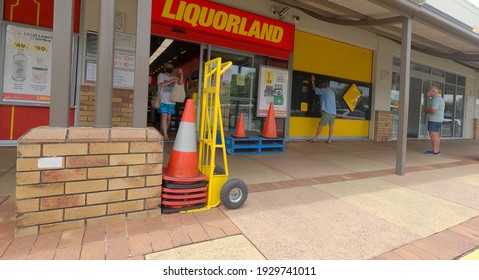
[165,92]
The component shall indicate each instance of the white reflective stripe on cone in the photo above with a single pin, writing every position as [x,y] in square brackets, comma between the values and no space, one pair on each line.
[185,140]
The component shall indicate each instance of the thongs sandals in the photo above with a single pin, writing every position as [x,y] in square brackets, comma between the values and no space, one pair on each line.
[312,140]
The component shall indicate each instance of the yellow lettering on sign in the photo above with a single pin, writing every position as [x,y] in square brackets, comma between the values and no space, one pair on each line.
[206,17]
[221,18]
[255,29]
[233,24]
[166,11]
[195,15]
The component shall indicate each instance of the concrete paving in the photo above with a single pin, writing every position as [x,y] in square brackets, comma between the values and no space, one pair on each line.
[329,202]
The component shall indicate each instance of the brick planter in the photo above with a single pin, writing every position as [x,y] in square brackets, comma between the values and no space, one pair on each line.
[71,177]
[475,135]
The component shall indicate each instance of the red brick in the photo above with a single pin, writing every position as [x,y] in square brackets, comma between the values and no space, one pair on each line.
[155,224]
[94,234]
[135,227]
[160,240]
[42,256]
[46,242]
[116,231]
[179,236]
[71,238]
[64,175]
[20,247]
[196,233]
[214,232]
[139,244]
[64,201]
[117,249]
[93,251]
[68,253]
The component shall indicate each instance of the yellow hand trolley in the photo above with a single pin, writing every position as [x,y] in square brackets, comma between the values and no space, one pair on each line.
[231,193]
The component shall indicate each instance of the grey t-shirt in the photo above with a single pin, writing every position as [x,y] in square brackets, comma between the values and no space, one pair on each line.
[437,102]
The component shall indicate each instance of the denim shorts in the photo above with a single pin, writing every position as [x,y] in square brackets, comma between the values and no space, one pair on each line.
[434,126]
[168,109]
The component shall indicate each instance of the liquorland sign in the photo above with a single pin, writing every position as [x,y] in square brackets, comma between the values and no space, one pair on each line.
[212,23]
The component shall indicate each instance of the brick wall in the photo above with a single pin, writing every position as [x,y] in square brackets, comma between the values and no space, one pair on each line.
[383,126]
[122,107]
[101,175]
[475,135]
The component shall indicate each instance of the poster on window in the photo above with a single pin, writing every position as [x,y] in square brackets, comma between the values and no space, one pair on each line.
[28,64]
[273,88]
[123,63]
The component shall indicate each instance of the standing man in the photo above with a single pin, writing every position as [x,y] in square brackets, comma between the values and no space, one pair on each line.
[328,108]
[435,117]
[166,81]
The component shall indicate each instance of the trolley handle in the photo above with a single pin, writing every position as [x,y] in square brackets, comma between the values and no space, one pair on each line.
[225,66]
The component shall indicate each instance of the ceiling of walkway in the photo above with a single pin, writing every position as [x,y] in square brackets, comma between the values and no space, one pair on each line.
[433,32]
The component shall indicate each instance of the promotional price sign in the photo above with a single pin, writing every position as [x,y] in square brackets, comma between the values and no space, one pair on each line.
[28,63]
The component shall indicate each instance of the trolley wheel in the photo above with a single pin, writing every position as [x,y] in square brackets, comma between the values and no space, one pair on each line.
[219,170]
[234,193]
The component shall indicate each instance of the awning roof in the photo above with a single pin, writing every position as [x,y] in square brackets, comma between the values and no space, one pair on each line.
[433,32]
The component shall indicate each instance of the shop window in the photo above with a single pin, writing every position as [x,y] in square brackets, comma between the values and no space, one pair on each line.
[437,72]
[450,78]
[461,81]
[305,103]
[421,68]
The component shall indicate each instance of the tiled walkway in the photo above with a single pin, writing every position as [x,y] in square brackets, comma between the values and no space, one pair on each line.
[335,204]
[118,241]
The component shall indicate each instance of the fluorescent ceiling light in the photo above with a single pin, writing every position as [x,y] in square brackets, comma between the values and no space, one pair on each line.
[166,43]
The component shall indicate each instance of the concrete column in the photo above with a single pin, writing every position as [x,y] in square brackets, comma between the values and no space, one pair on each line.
[104,72]
[404,96]
[61,63]
[2,3]
[142,57]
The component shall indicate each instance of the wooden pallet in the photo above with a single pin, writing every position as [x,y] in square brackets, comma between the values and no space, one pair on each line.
[254,144]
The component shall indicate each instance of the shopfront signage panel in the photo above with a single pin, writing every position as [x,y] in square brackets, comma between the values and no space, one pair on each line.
[28,64]
[273,88]
[220,25]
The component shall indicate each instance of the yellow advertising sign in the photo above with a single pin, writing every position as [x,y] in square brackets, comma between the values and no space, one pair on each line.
[351,97]
[304,107]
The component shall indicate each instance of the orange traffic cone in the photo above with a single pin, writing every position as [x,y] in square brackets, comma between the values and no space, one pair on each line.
[269,130]
[240,132]
[183,163]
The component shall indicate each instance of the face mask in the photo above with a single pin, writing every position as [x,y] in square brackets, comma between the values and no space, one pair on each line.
[168,70]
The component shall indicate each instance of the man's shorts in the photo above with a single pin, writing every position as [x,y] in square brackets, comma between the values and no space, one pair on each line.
[167,108]
[327,118]
[434,126]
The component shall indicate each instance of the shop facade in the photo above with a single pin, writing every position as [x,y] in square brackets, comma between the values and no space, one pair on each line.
[362,68]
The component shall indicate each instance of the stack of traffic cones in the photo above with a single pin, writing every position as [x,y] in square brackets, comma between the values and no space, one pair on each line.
[269,130]
[240,131]
[184,186]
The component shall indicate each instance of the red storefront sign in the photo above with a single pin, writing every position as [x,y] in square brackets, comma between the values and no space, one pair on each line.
[36,12]
[219,25]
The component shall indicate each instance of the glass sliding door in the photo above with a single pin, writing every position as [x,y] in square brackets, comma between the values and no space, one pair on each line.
[459,111]
[237,89]
[448,125]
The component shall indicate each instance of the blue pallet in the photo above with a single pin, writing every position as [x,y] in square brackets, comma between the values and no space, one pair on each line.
[253,145]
